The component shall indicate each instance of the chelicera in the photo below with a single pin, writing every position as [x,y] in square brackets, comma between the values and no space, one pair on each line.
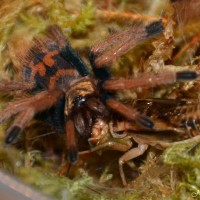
[60,87]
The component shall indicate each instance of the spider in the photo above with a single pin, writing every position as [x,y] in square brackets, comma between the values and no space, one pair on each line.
[64,94]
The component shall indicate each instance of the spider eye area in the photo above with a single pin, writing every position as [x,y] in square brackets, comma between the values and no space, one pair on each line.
[79,100]
[78,93]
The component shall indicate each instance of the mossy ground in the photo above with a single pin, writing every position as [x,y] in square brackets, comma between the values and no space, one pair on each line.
[173,174]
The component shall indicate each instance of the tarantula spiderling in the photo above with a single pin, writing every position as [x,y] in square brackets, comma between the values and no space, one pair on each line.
[64,92]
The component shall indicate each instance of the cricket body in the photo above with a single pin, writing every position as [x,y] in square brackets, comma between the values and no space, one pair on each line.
[105,136]
[120,135]
[187,117]
[179,115]
[59,82]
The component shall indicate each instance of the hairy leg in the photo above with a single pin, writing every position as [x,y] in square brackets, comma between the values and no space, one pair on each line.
[71,143]
[120,43]
[9,86]
[18,125]
[26,109]
[129,113]
[103,54]
[147,81]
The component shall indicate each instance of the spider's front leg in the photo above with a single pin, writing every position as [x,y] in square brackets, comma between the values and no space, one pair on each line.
[129,113]
[25,110]
[103,54]
[149,80]
[145,81]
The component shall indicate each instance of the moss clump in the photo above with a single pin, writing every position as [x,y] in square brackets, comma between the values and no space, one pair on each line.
[185,156]
[85,22]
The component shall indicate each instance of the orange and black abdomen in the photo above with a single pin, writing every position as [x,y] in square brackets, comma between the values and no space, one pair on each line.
[49,70]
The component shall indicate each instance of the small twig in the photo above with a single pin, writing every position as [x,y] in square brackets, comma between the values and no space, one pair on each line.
[195,39]
[125,16]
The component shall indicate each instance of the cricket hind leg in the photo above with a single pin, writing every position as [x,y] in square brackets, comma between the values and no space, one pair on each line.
[129,155]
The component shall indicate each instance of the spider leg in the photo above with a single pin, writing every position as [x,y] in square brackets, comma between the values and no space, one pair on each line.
[147,81]
[72,150]
[104,53]
[8,86]
[18,125]
[14,108]
[129,113]
[27,108]
[40,102]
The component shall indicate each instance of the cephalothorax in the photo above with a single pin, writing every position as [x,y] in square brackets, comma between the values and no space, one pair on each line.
[60,84]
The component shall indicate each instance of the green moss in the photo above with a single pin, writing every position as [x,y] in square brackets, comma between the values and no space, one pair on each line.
[72,21]
[185,157]
[86,22]
[54,185]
